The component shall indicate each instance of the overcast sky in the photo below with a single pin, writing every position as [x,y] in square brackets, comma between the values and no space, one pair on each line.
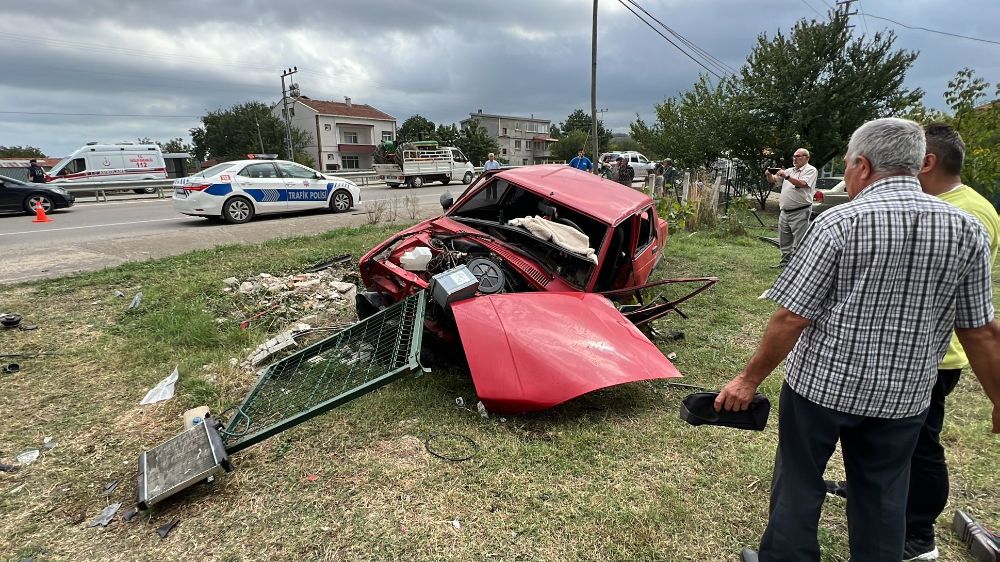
[161,65]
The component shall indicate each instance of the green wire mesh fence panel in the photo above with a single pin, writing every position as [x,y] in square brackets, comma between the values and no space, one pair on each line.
[329,373]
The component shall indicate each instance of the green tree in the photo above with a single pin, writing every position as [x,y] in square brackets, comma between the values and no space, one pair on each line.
[476,143]
[21,152]
[233,133]
[979,125]
[447,135]
[622,144]
[580,121]
[570,143]
[816,85]
[415,128]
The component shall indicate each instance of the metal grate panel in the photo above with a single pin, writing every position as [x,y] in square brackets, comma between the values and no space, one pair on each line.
[336,370]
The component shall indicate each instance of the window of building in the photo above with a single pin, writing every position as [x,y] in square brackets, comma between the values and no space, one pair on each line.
[503,151]
[524,161]
[504,131]
[518,126]
[332,167]
[327,127]
[330,157]
[351,162]
[530,145]
[386,135]
[517,145]
[350,137]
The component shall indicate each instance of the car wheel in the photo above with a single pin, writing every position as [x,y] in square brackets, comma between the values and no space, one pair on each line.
[445,181]
[34,200]
[341,201]
[393,185]
[416,181]
[467,178]
[237,210]
[146,190]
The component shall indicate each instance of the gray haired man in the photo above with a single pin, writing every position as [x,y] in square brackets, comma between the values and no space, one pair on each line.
[867,305]
[798,184]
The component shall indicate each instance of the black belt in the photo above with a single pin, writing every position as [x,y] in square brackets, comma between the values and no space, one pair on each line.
[796,209]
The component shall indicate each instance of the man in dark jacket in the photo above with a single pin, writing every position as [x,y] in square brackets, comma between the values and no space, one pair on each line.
[624,173]
[35,172]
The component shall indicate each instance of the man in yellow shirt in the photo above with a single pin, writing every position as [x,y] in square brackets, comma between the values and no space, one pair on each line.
[941,177]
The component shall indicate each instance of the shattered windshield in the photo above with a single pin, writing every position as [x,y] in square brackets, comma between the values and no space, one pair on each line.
[499,201]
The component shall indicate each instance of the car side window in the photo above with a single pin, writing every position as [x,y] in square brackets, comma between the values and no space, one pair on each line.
[642,159]
[633,158]
[290,170]
[262,170]
[646,231]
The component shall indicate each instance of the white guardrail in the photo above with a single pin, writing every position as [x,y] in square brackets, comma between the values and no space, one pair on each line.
[163,188]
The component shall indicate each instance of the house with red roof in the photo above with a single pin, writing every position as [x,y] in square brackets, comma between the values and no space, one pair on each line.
[345,133]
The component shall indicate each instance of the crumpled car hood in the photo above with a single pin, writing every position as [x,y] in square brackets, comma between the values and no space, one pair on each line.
[531,351]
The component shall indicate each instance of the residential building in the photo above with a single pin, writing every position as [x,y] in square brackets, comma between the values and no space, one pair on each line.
[345,133]
[522,140]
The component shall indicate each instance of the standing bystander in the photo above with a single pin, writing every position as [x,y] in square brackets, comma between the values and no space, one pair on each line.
[797,187]
[35,172]
[581,162]
[624,174]
[491,163]
[864,319]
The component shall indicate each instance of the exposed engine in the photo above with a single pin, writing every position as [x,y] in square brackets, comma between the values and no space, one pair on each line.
[490,269]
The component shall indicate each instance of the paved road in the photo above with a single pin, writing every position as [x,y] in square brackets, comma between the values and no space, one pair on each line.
[95,235]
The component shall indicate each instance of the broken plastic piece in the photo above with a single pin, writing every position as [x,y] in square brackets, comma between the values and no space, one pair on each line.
[106,515]
[164,390]
[49,443]
[119,294]
[110,487]
[130,514]
[29,327]
[8,467]
[341,259]
[164,530]
[29,456]
[482,410]
[136,300]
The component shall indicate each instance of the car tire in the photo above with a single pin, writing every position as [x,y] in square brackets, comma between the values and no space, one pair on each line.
[145,190]
[341,201]
[467,178]
[416,181]
[48,205]
[445,181]
[237,210]
[393,185]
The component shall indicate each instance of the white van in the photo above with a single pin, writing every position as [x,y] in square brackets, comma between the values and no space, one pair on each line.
[110,162]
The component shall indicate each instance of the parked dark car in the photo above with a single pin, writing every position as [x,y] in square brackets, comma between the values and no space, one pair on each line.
[17,196]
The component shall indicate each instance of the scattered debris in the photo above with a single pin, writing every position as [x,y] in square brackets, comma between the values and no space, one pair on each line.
[136,300]
[11,368]
[451,441]
[164,530]
[272,346]
[164,390]
[196,416]
[130,514]
[119,294]
[106,515]
[10,320]
[8,467]
[482,410]
[456,524]
[49,443]
[672,356]
[246,323]
[29,327]
[28,457]
[460,402]
[110,487]
[312,478]
[230,281]
[339,260]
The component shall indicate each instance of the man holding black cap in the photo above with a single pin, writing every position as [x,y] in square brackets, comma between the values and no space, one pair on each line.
[35,172]
[866,310]
[797,186]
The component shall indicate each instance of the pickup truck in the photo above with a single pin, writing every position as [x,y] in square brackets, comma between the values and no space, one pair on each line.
[418,163]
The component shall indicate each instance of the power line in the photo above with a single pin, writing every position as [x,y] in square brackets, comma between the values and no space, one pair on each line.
[667,39]
[934,30]
[863,18]
[718,64]
[812,8]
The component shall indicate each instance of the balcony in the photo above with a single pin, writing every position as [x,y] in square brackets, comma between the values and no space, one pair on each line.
[356,148]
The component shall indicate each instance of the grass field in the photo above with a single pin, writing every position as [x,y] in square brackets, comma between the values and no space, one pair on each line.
[610,476]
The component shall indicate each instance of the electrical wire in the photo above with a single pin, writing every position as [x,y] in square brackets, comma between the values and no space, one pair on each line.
[863,18]
[98,114]
[667,39]
[934,30]
[708,57]
[812,8]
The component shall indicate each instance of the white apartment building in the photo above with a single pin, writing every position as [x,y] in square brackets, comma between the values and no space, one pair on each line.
[522,140]
[345,133]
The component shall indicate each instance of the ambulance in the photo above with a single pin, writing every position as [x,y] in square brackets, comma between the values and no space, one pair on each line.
[110,162]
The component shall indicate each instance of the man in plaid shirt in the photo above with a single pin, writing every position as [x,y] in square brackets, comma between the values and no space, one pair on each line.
[867,306]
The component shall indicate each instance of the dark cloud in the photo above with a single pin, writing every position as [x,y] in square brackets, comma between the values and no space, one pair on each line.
[442,59]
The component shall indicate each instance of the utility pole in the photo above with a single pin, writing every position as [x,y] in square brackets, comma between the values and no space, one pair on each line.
[593,86]
[293,90]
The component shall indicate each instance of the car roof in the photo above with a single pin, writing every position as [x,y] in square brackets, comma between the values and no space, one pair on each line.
[605,200]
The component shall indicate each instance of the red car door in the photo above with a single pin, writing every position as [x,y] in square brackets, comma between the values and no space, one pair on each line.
[648,245]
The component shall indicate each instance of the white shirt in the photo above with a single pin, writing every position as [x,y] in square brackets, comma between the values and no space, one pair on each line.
[795,197]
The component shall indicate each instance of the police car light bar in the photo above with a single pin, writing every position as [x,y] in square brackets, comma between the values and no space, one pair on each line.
[262,156]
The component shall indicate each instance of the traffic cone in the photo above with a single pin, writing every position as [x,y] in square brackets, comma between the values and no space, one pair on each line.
[40,215]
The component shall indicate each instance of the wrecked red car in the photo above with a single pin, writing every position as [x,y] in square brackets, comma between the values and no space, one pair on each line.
[512,266]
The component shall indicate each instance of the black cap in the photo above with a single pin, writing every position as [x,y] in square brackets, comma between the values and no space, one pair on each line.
[32,161]
[699,409]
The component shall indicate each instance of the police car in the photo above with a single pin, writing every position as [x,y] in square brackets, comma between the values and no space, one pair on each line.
[237,191]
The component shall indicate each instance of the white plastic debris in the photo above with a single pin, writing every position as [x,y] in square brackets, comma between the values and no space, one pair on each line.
[456,524]
[482,410]
[136,300]
[106,515]
[48,443]
[671,356]
[164,390]
[460,402]
[29,456]
[119,294]
[230,281]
